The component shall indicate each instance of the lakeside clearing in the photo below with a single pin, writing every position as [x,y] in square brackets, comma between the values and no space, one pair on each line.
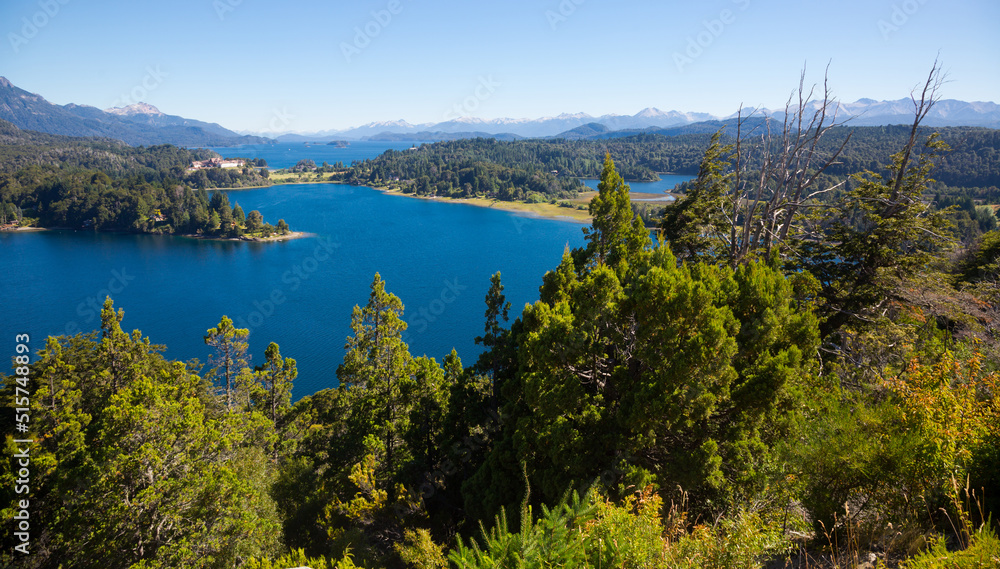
[299,178]
[542,209]
[545,209]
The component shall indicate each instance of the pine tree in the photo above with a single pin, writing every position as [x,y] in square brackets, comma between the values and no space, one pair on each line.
[230,356]
[694,226]
[276,375]
[376,371]
[617,235]
[495,337]
[238,215]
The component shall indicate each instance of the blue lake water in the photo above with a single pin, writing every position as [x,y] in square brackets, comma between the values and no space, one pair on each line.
[665,184]
[286,155]
[436,256]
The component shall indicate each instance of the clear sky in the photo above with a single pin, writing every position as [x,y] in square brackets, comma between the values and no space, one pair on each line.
[310,65]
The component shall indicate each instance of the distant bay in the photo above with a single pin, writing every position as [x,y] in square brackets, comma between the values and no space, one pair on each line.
[286,155]
[665,184]
[435,255]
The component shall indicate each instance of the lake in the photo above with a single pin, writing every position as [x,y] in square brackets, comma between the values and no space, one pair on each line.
[665,184]
[287,154]
[436,256]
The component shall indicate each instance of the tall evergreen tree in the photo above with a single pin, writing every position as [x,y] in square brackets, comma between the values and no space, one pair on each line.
[230,357]
[495,337]
[616,235]
[376,372]
[695,227]
[238,215]
[276,375]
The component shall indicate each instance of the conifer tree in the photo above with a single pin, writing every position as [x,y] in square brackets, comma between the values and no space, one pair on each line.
[616,235]
[230,356]
[495,337]
[238,215]
[695,226]
[276,375]
[376,371]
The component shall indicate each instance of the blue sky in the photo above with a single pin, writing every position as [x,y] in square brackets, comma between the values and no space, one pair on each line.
[310,65]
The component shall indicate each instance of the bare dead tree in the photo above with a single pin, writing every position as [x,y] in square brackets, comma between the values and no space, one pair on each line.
[776,173]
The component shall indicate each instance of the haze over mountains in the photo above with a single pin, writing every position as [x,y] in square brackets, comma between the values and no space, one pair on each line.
[138,124]
[144,124]
[865,112]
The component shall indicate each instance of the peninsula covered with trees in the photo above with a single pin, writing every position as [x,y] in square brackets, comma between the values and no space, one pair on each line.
[781,378]
[57,181]
[548,170]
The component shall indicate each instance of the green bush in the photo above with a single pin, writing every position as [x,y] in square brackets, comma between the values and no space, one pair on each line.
[983,552]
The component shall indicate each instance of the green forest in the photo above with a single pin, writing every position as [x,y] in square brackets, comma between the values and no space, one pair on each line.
[788,372]
[57,181]
[513,170]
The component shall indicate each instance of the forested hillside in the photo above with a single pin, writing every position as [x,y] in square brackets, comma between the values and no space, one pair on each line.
[56,181]
[526,170]
[801,369]
[813,397]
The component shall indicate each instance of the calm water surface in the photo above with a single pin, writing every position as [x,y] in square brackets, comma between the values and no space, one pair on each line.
[436,256]
[665,184]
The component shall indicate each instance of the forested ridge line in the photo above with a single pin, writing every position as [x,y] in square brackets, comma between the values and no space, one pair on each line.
[653,386]
[513,170]
[104,185]
[799,370]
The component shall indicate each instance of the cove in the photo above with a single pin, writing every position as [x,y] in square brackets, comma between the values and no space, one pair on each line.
[435,255]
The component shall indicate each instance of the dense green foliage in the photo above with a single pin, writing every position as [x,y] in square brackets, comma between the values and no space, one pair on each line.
[89,199]
[517,170]
[794,353]
[634,379]
[535,170]
[55,181]
[20,148]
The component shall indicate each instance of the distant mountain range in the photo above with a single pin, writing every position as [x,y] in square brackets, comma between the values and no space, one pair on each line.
[138,124]
[508,128]
[143,124]
[863,112]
